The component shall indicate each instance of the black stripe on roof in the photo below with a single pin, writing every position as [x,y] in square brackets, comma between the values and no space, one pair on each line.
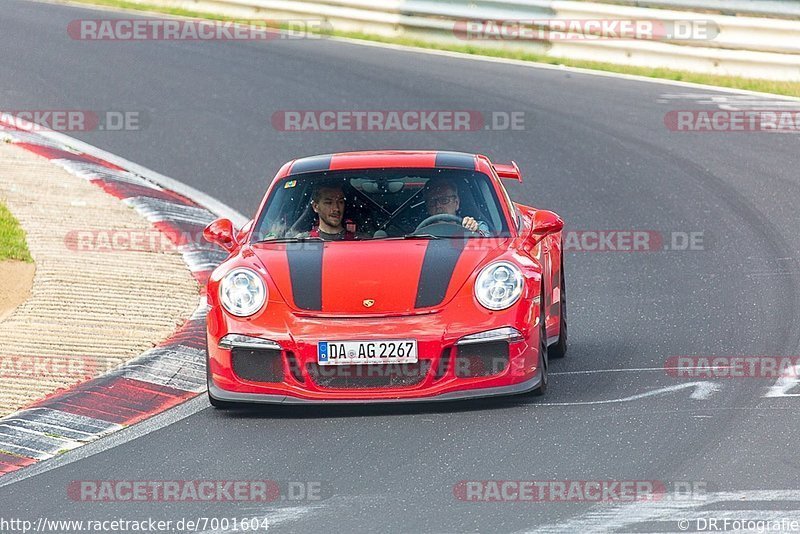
[312,164]
[457,160]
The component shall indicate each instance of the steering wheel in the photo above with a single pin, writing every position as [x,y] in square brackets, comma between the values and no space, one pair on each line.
[440,218]
[444,219]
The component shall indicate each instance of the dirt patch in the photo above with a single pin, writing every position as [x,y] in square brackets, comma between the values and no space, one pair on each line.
[16,279]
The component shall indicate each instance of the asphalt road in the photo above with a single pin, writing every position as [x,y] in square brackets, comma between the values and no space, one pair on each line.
[594,149]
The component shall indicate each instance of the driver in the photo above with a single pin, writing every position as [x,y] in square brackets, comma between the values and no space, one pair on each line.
[327,201]
[441,197]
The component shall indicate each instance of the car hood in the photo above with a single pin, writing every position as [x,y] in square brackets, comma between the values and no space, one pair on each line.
[385,277]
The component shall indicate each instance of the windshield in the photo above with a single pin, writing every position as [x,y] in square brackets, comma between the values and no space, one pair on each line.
[382,204]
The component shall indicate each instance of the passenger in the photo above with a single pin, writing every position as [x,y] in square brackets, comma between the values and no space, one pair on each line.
[327,201]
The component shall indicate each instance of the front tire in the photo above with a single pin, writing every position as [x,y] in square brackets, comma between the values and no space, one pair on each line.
[541,389]
[559,348]
[220,405]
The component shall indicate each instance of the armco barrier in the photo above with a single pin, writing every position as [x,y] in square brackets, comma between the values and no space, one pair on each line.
[765,46]
[758,8]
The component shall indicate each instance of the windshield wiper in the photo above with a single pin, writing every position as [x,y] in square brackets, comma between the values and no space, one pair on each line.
[289,239]
[421,236]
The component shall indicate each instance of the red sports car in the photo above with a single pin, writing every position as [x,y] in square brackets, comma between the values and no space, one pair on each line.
[384,277]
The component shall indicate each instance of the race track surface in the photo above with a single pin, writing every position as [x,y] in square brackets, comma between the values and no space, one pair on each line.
[596,150]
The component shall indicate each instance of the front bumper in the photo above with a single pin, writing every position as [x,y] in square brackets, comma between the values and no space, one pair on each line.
[293,376]
[259,398]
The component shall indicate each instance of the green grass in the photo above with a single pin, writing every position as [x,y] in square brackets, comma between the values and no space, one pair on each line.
[12,238]
[751,84]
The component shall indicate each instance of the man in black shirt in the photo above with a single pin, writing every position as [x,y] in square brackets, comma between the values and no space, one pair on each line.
[327,201]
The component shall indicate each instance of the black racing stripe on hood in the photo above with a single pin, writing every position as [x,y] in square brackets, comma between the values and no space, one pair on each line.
[305,273]
[438,264]
[312,164]
[455,160]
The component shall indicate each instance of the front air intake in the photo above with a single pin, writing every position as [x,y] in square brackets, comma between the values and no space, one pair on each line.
[257,365]
[481,359]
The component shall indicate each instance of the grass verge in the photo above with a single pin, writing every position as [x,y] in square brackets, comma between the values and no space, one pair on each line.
[12,238]
[734,82]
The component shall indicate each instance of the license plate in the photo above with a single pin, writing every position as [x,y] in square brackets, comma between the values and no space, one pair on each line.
[367,352]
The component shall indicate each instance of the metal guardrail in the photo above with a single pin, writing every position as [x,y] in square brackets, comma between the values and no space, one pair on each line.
[787,9]
[757,47]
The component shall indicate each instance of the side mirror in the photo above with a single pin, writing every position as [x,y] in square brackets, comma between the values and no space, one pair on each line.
[546,222]
[221,232]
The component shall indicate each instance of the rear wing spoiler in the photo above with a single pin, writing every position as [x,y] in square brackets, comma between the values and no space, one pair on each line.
[508,171]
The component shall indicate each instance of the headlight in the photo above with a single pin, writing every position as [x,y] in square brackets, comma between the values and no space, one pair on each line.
[242,292]
[499,285]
